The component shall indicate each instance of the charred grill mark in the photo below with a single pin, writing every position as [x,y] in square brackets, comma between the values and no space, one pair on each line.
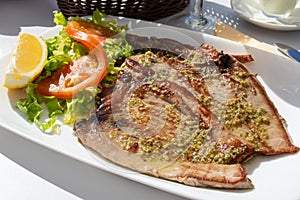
[224,62]
[138,68]
[104,109]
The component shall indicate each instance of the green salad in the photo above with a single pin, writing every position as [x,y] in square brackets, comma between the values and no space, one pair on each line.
[45,110]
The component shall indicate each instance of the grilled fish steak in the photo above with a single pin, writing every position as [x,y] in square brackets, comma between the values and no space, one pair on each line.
[192,118]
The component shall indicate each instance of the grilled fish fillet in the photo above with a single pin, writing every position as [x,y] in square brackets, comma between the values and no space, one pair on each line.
[192,118]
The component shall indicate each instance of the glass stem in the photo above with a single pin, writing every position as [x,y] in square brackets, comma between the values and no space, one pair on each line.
[196,18]
[196,9]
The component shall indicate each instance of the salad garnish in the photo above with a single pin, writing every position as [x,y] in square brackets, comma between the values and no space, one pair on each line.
[81,58]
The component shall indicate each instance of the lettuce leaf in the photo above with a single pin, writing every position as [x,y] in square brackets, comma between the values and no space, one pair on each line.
[59,18]
[103,20]
[115,48]
[32,107]
[80,107]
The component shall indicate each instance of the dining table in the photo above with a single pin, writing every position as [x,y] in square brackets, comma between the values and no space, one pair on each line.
[31,171]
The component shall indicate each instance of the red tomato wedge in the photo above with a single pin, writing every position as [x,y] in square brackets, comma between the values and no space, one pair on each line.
[86,71]
[89,34]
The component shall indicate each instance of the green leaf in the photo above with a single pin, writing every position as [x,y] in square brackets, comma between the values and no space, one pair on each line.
[81,107]
[59,18]
[31,105]
[98,17]
[103,20]
[48,125]
[55,106]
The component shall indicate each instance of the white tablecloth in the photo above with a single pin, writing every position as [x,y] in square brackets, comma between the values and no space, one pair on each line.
[30,171]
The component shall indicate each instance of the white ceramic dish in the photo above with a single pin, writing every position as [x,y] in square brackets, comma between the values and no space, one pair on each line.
[274,177]
[250,11]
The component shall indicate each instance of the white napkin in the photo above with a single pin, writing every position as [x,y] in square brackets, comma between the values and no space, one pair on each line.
[7,42]
[252,10]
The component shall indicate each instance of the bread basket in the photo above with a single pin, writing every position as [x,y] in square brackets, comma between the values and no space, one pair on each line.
[148,10]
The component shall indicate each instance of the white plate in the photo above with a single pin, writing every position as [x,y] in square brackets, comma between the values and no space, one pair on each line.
[274,177]
[250,11]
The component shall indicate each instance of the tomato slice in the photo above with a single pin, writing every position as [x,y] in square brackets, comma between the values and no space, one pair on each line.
[86,71]
[89,34]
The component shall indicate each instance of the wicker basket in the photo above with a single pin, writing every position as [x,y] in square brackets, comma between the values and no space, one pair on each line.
[139,9]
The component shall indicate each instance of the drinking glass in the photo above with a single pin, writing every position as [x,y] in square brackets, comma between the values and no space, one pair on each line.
[194,20]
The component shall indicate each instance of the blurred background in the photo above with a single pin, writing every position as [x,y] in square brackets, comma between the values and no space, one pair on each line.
[34,13]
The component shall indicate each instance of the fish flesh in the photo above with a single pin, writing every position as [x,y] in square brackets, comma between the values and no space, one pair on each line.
[188,114]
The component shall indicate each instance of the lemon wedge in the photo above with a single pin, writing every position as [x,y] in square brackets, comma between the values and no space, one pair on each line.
[27,61]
